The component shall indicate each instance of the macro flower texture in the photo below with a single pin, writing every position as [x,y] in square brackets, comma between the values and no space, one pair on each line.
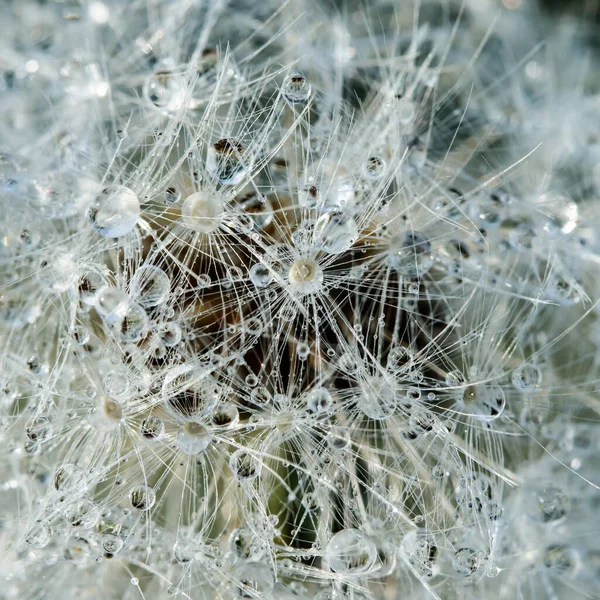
[299,300]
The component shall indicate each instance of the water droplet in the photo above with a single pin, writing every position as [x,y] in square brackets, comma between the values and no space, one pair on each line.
[411,254]
[484,400]
[38,536]
[527,377]
[244,465]
[553,503]
[260,396]
[115,211]
[465,561]
[259,208]
[142,497]
[296,88]
[134,325]
[166,90]
[68,478]
[226,161]
[253,580]
[336,231]
[319,401]
[150,286]
[260,275]
[38,429]
[351,552]
[378,398]
[193,438]
[112,304]
[374,168]
[225,415]
[202,212]
[152,428]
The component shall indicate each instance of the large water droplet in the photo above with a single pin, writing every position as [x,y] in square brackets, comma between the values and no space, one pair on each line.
[115,211]
[202,212]
[351,552]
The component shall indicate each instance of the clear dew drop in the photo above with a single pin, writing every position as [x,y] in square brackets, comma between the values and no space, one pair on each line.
[296,88]
[227,162]
[259,209]
[260,396]
[411,254]
[134,325]
[309,196]
[377,398]
[260,275]
[225,416]
[69,478]
[374,168]
[184,550]
[193,438]
[165,90]
[484,400]
[465,561]
[172,195]
[243,544]
[319,401]
[202,212]
[115,211]
[553,504]
[111,304]
[244,465]
[302,350]
[527,377]
[150,286]
[39,429]
[351,552]
[152,428]
[38,536]
[253,580]
[336,232]
[83,513]
[142,497]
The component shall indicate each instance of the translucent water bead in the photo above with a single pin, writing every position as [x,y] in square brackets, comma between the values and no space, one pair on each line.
[336,231]
[111,304]
[411,254]
[142,497]
[296,88]
[465,561]
[193,438]
[527,377]
[150,286]
[115,211]
[420,550]
[374,168]
[378,399]
[484,400]
[244,465]
[351,552]
[166,90]
[260,275]
[202,212]
[253,580]
[226,161]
